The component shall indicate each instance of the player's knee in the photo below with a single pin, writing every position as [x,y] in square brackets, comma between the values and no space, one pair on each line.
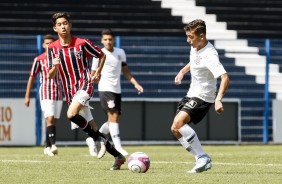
[174,129]
[70,115]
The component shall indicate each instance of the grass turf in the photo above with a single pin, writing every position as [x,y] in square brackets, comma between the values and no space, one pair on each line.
[231,164]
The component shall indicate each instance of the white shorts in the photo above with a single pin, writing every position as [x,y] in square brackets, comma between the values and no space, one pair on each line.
[51,108]
[82,97]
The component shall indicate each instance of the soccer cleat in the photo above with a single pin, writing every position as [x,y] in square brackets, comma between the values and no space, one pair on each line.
[92,148]
[119,160]
[122,151]
[102,150]
[203,163]
[47,151]
[54,149]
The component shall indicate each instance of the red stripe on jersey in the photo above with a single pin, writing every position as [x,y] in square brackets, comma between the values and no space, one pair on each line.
[74,68]
[50,89]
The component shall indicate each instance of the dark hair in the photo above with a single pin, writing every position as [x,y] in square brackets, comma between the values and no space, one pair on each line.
[107,31]
[198,26]
[60,15]
[48,36]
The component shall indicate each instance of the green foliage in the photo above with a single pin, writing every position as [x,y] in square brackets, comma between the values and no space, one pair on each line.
[231,164]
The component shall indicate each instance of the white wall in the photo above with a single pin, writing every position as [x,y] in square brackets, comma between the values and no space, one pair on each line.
[17,122]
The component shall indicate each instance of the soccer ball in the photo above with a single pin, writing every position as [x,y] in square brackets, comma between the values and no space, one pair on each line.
[138,162]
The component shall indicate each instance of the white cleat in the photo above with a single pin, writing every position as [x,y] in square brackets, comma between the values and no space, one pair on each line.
[47,151]
[102,150]
[92,147]
[54,149]
[203,163]
[122,151]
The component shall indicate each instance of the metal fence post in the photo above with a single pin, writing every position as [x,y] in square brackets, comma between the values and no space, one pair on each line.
[37,99]
[266,93]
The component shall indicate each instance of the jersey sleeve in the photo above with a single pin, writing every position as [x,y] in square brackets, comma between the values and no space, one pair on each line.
[92,50]
[123,56]
[35,68]
[95,62]
[215,66]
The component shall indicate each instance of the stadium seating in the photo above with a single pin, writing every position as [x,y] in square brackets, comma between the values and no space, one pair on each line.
[251,18]
[138,17]
[153,40]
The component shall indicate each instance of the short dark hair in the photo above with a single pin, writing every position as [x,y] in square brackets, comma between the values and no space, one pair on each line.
[107,31]
[60,15]
[198,26]
[48,36]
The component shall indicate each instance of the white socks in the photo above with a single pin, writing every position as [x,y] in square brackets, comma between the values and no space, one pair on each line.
[190,141]
[104,129]
[113,129]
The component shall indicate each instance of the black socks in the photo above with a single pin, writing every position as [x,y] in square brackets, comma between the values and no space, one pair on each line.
[50,135]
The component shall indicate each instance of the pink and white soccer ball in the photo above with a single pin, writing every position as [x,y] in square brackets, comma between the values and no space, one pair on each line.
[138,162]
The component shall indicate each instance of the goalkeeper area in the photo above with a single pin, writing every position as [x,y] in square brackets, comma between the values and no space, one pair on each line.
[169,163]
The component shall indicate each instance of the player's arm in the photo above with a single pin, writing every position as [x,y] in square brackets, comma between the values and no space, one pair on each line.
[29,85]
[127,74]
[181,73]
[55,66]
[97,73]
[221,92]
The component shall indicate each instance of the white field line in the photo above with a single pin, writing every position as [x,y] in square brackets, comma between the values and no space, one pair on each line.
[161,162]
[219,163]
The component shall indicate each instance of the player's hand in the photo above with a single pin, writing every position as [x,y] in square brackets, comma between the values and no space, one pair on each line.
[56,61]
[139,89]
[218,107]
[96,77]
[178,78]
[26,102]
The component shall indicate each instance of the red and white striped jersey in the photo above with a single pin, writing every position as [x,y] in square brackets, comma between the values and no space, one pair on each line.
[50,89]
[74,68]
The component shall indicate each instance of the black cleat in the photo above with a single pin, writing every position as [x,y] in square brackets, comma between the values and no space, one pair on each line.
[119,160]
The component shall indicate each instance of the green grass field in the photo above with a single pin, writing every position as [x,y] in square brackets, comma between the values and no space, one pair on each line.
[231,164]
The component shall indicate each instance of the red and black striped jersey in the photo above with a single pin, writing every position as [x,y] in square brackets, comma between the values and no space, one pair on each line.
[50,89]
[74,68]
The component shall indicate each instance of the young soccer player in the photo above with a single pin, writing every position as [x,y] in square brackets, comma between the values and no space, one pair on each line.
[68,57]
[50,94]
[109,88]
[205,68]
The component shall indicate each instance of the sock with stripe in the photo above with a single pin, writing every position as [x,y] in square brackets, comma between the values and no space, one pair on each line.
[189,135]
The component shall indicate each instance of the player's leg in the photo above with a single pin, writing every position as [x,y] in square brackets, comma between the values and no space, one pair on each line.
[187,136]
[56,107]
[111,104]
[47,149]
[48,112]
[104,98]
[104,129]
[113,117]
[105,145]
[51,131]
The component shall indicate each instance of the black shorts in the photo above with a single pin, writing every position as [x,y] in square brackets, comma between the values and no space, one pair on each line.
[110,101]
[195,107]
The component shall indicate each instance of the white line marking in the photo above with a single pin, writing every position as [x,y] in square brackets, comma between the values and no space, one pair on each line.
[160,162]
[219,163]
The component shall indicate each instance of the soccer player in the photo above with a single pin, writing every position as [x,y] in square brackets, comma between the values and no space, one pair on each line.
[109,87]
[50,94]
[205,68]
[68,57]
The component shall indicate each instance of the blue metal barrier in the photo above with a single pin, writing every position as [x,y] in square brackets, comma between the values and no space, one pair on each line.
[266,93]
[37,99]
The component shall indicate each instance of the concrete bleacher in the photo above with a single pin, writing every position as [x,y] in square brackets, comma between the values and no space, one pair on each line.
[153,39]
[251,18]
[138,17]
